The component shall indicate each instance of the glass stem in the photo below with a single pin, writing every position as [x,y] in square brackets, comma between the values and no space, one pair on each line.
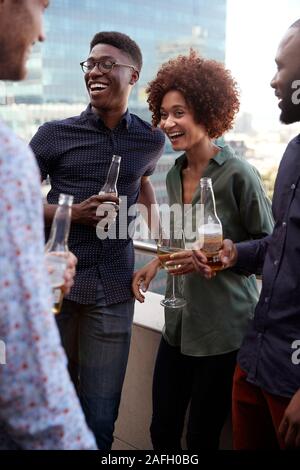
[173,286]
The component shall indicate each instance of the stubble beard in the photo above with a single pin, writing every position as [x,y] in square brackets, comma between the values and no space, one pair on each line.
[12,65]
[290,111]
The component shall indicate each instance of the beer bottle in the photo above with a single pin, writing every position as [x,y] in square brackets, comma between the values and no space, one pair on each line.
[110,187]
[57,248]
[210,228]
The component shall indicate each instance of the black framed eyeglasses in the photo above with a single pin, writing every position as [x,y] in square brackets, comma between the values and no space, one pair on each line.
[104,66]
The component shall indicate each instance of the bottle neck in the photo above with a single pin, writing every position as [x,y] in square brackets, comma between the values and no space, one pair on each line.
[110,185]
[207,200]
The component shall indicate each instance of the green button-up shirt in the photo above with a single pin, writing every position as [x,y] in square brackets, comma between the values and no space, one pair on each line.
[217,311]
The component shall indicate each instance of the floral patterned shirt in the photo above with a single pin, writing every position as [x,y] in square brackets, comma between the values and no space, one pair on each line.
[39,408]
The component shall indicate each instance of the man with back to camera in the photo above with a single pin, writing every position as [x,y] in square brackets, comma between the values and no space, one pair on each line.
[266,389]
[96,318]
[38,405]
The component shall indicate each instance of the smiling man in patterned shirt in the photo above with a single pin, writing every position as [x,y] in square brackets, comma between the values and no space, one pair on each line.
[38,405]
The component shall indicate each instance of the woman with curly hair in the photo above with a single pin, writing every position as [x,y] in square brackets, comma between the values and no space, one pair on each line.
[195,101]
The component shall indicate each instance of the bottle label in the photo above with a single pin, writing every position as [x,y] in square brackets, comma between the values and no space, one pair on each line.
[210,238]
[212,243]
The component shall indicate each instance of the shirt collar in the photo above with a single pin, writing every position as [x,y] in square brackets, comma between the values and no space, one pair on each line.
[225,153]
[93,117]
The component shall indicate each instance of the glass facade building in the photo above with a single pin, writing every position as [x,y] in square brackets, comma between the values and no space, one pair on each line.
[161,29]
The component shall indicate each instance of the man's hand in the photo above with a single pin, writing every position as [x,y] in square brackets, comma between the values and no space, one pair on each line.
[85,212]
[61,268]
[289,429]
[70,272]
[142,278]
[228,254]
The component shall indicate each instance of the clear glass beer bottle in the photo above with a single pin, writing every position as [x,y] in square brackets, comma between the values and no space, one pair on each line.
[210,229]
[57,248]
[110,187]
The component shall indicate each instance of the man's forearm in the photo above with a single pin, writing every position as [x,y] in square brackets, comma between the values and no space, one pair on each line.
[49,211]
[148,199]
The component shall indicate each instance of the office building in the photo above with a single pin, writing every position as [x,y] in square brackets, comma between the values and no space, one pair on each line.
[55,85]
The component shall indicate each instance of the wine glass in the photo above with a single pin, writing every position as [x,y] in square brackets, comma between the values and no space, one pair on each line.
[167,244]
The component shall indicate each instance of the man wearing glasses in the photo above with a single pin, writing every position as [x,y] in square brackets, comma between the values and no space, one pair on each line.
[96,318]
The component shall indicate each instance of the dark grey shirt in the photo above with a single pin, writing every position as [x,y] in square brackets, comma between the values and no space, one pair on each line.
[217,312]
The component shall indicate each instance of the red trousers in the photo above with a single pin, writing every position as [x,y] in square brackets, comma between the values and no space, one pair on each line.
[256,415]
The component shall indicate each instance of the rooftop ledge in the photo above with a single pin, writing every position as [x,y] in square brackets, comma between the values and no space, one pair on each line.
[150,314]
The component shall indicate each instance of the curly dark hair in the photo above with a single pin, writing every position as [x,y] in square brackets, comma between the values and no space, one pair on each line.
[208,88]
[120,41]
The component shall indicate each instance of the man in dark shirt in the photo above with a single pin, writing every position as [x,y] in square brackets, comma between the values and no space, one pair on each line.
[96,318]
[266,390]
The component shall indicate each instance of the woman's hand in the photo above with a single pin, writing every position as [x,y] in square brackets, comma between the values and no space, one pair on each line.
[189,261]
[142,278]
[181,263]
[201,266]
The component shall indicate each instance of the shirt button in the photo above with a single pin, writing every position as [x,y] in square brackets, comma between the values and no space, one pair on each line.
[276,262]
[293,186]
[267,299]
[284,224]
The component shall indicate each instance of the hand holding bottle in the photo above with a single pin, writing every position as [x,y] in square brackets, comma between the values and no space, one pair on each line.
[200,264]
[108,209]
[56,264]
[57,249]
[69,272]
[206,257]
[210,229]
[61,269]
[228,254]
[86,212]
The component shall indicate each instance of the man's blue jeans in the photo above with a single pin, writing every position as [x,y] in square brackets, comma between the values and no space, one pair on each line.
[96,339]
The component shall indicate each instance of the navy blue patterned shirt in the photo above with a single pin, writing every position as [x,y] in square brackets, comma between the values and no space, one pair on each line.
[270,353]
[76,154]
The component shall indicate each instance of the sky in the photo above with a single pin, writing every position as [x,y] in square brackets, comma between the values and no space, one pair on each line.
[254,30]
